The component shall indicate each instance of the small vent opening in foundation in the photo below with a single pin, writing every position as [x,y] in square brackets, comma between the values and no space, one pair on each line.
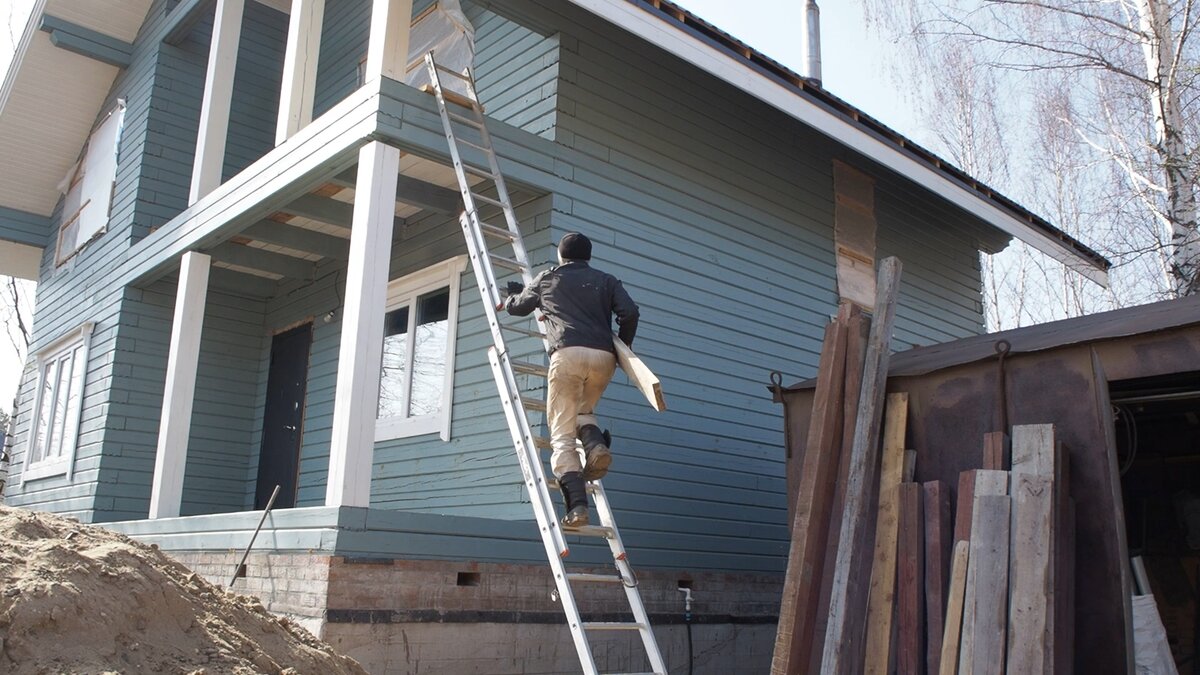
[684,583]
[468,579]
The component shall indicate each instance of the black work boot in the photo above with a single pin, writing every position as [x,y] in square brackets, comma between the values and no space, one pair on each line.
[595,448]
[574,491]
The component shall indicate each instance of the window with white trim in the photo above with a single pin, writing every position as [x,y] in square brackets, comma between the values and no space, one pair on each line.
[416,380]
[88,188]
[57,405]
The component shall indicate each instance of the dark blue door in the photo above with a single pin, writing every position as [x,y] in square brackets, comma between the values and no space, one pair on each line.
[283,419]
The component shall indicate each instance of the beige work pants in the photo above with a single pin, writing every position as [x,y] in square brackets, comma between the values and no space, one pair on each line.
[578,376]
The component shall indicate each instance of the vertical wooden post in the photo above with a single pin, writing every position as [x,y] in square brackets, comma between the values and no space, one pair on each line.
[984,483]
[166,492]
[814,499]
[300,67]
[983,642]
[937,566]
[218,94]
[951,634]
[361,354]
[882,595]
[843,639]
[387,51]
[910,581]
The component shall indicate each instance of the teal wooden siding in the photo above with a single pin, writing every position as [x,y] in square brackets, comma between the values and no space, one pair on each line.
[716,211]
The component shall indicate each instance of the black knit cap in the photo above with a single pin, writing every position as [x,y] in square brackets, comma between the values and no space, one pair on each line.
[575,246]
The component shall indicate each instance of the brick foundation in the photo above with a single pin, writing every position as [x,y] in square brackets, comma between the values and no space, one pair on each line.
[406,616]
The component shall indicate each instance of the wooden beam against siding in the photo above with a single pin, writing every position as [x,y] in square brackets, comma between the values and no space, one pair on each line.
[240,284]
[87,42]
[416,192]
[843,642]
[814,500]
[387,50]
[881,601]
[166,490]
[359,357]
[263,261]
[218,95]
[322,209]
[298,238]
[300,67]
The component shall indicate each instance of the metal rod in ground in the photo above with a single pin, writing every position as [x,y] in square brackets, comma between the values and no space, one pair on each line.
[270,502]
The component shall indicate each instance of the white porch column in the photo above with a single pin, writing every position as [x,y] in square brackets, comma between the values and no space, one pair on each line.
[300,67]
[182,359]
[218,93]
[387,51]
[361,353]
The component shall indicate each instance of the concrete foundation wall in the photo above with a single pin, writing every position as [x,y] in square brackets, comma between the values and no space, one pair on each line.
[410,616]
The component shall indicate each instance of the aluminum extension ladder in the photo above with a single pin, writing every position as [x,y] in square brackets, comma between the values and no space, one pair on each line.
[484,240]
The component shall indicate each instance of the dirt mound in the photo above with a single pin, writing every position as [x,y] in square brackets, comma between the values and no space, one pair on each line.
[80,599]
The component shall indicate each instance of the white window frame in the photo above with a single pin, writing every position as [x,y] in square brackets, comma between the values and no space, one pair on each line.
[90,185]
[64,463]
[404,291]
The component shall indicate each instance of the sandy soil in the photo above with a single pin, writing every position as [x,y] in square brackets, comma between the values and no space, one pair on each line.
[80,599]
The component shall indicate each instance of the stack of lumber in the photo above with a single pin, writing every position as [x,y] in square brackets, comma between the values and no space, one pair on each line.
[962,578]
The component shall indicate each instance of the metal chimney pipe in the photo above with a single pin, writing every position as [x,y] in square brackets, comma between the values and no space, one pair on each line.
[811,41]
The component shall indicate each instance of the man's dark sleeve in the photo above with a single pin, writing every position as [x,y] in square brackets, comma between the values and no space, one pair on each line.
[627,313]
[526,301]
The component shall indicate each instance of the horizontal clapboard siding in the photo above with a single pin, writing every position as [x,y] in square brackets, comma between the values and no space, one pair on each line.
[80,291]
[23,228]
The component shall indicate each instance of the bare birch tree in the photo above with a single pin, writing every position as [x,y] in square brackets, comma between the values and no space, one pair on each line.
[1103,97]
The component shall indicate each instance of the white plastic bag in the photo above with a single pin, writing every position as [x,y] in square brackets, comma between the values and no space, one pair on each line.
[448,33]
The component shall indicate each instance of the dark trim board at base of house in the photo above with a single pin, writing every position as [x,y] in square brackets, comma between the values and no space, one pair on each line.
[382,616]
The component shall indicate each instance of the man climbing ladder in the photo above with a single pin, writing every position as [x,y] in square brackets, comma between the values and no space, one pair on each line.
[578,303]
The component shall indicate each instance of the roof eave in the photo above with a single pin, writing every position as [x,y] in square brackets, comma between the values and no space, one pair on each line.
[1016,222]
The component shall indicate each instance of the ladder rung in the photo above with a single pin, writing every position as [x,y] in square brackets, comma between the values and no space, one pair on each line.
[612,625]
[496,232]
[534,404]
[590,531]
[487,200]
[464,120]
[527,368]
[446,70]
[470,144]
[478,171]
[508,263]
[597,578]
[523,331]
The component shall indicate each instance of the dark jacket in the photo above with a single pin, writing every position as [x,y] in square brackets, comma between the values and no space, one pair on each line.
[579,303]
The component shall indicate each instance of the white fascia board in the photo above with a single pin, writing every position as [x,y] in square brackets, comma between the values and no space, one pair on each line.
[637,21]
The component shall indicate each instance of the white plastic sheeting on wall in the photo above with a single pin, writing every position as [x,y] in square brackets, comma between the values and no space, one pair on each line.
[446,32]
[89,186]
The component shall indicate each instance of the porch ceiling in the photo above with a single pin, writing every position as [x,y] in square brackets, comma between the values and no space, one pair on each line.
[315,227]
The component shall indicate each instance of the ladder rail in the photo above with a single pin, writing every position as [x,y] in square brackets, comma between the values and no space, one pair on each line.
[516,407]
[621,559]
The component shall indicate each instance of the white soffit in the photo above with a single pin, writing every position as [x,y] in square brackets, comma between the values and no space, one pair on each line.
[51,97]
[645,25]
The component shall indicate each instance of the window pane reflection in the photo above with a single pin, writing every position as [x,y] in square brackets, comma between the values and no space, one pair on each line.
[429,353]
[395,356]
